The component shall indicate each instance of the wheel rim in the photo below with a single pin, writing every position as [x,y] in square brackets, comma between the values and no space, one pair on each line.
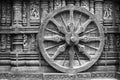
[71,39]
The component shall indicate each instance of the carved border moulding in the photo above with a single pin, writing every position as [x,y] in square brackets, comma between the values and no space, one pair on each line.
[103,74]
[61,41]
[111,29]
[58,76]
[108,13]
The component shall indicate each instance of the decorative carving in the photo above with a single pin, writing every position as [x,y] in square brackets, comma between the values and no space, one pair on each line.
[57,4]
[3,42]
[59,77]
[63,3]
[34,11]
[50,6]
[108,16]
[29,42]
[118,42]
[77,2]
[72,39]
[85,4]
[103,75]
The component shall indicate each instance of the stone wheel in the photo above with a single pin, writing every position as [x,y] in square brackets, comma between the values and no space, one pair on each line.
[71,39]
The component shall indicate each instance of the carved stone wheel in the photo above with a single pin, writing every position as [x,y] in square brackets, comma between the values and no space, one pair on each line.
[71,39]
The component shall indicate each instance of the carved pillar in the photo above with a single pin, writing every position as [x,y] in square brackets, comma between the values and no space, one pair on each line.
[4,52]
[0,13]
[9,13]
[17,8]
[17,42]
[99,10]
[44,10]
[24,13]
[3,14]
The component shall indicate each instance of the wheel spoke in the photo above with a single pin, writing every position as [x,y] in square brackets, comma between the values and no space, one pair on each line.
[71,57]
[63,20]
[91,30]
[78,58]
[71,16]
[52,31]
[65,57]
[89,39]
[84,26]
[81,48]
[50,47]
[71,27]
[92,47]
[55,38]
[59,26]
[79,21]
[59,50]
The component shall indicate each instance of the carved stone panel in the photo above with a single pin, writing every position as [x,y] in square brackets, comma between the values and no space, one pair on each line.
[108,12]
[70,39]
